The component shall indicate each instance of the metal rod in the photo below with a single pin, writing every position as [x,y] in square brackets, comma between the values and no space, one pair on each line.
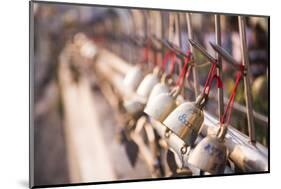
[203,51]
[194,69]
[219,68]
[226,56]
[247,89]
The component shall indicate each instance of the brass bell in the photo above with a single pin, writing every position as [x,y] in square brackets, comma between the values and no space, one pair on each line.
[133,78]
[148,83]
[186,120]
[210,154]
[162,105]
[159,88]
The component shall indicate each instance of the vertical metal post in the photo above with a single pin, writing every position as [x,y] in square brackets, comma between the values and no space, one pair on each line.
[219,69]
[247,89]
[194,69]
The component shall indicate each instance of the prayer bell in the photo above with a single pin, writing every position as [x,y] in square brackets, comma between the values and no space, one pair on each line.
[210,154]
[148,83]
[186,120]
[162,105]
[159,88]
[133,78]
[134,105]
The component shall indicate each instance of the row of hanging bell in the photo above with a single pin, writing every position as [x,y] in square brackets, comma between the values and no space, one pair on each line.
[161,102]
[143,90]
[210,154]
[184,120]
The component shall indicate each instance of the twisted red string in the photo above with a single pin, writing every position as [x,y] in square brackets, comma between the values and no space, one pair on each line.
[183,72]
[145,54]
[227,113]
[165,60]
[188,72]
[169,56]
[173,62]
[211,76]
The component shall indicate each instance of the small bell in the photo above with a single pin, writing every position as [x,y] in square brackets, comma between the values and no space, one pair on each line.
[148,83]
[186,120]
[162,105]
[159,88]
[135,104]
[210,154]
[133,78]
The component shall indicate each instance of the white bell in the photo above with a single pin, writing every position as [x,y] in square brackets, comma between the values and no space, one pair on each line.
[210,154]
[159,88]
[162,105]
[135,104]
[148,83]
[133,78]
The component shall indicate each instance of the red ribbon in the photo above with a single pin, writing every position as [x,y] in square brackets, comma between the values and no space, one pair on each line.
[183,72]
[169,55]
[165,60]
[173,62]
[227,113]
[211,76]
[188,72]
[146,52]
[145,55]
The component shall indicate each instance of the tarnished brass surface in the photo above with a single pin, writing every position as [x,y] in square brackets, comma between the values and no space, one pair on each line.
[185,121]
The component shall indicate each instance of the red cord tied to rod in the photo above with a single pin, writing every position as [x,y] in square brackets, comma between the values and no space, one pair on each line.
[183,72]
[211,76]
[146,52]
[169,56]
[227,113]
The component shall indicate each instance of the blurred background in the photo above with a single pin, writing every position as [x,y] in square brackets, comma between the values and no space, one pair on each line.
[56,25]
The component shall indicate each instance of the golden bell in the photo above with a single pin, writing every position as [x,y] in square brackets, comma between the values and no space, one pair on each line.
[186,120]
[133,78]
[159,88]
[210,154]
[162,105]
[148,83]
